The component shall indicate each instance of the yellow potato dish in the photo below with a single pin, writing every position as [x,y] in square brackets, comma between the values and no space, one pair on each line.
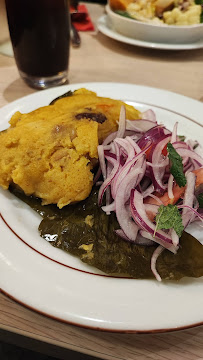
[170,12]
[51,151]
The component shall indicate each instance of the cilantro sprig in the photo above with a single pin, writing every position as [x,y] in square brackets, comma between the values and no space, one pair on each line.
[168,217]
[200,2]
[200,200]
[123,13]
[181,137]
[176,167]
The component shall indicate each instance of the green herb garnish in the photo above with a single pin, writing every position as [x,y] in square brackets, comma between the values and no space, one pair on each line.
[168,217]
[200,2]
[181,137]
[200,200]
[176,168]
[123,13]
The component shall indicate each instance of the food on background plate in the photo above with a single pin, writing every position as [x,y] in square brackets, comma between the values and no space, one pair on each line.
[161,12]
[147,190]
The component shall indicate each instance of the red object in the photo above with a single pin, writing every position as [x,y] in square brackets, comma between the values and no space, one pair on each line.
[148,152]
[165,151]
[86,24]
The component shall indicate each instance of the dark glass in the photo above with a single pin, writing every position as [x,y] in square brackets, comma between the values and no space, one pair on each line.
[40,35]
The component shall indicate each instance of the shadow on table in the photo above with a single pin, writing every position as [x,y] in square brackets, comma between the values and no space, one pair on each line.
[13,352]
[131,50]
[18,89]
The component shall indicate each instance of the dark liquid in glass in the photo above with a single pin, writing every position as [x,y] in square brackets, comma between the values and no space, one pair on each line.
[40,35]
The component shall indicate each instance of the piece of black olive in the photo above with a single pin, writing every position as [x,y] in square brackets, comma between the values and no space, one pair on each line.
[67,94]
[98,117]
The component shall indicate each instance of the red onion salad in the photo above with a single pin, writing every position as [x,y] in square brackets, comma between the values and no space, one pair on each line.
[135,167]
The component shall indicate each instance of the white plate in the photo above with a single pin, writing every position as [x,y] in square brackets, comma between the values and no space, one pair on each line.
[151,32]
[59,285]
[105,26]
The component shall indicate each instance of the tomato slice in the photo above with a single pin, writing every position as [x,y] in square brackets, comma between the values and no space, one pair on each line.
[148,152]
[164,151]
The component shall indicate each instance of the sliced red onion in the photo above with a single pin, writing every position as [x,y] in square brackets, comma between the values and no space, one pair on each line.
[154,258]
[189,170]
[139,125]
[145,236]
[102,165]
[123,165]
[108,208]
[121,234]
[112,159]
[140,240]
[132,135]
[156,158]
[128,147]
[124,171]
[192,143]
[108,180]
[158,200]
[149,115]
[151,210]
[194,165]
[148,191]
[174,133]
[122,195]
[128,226]
[102,160]
[134,144]
[110,138]
[170,187]
[151,207]
[188,167]
[174,237]
[162,164]
[121,128]
[180,144]
[188,197]
[191,209]
[140,217]
[97,175]
[186,161]
[192,154]
[110,165]
[151,136]
[99,183]
[122,122]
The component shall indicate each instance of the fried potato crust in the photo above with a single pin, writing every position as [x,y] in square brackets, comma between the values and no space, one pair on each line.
[50,152]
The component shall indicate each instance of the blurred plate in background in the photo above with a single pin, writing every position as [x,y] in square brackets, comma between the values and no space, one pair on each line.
[105,26]
[168,34]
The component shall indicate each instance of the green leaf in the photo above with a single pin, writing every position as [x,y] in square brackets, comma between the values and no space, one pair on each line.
[176,168]
[168,217]
[123,13]
[181,137]
[200,200]
[200,2]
